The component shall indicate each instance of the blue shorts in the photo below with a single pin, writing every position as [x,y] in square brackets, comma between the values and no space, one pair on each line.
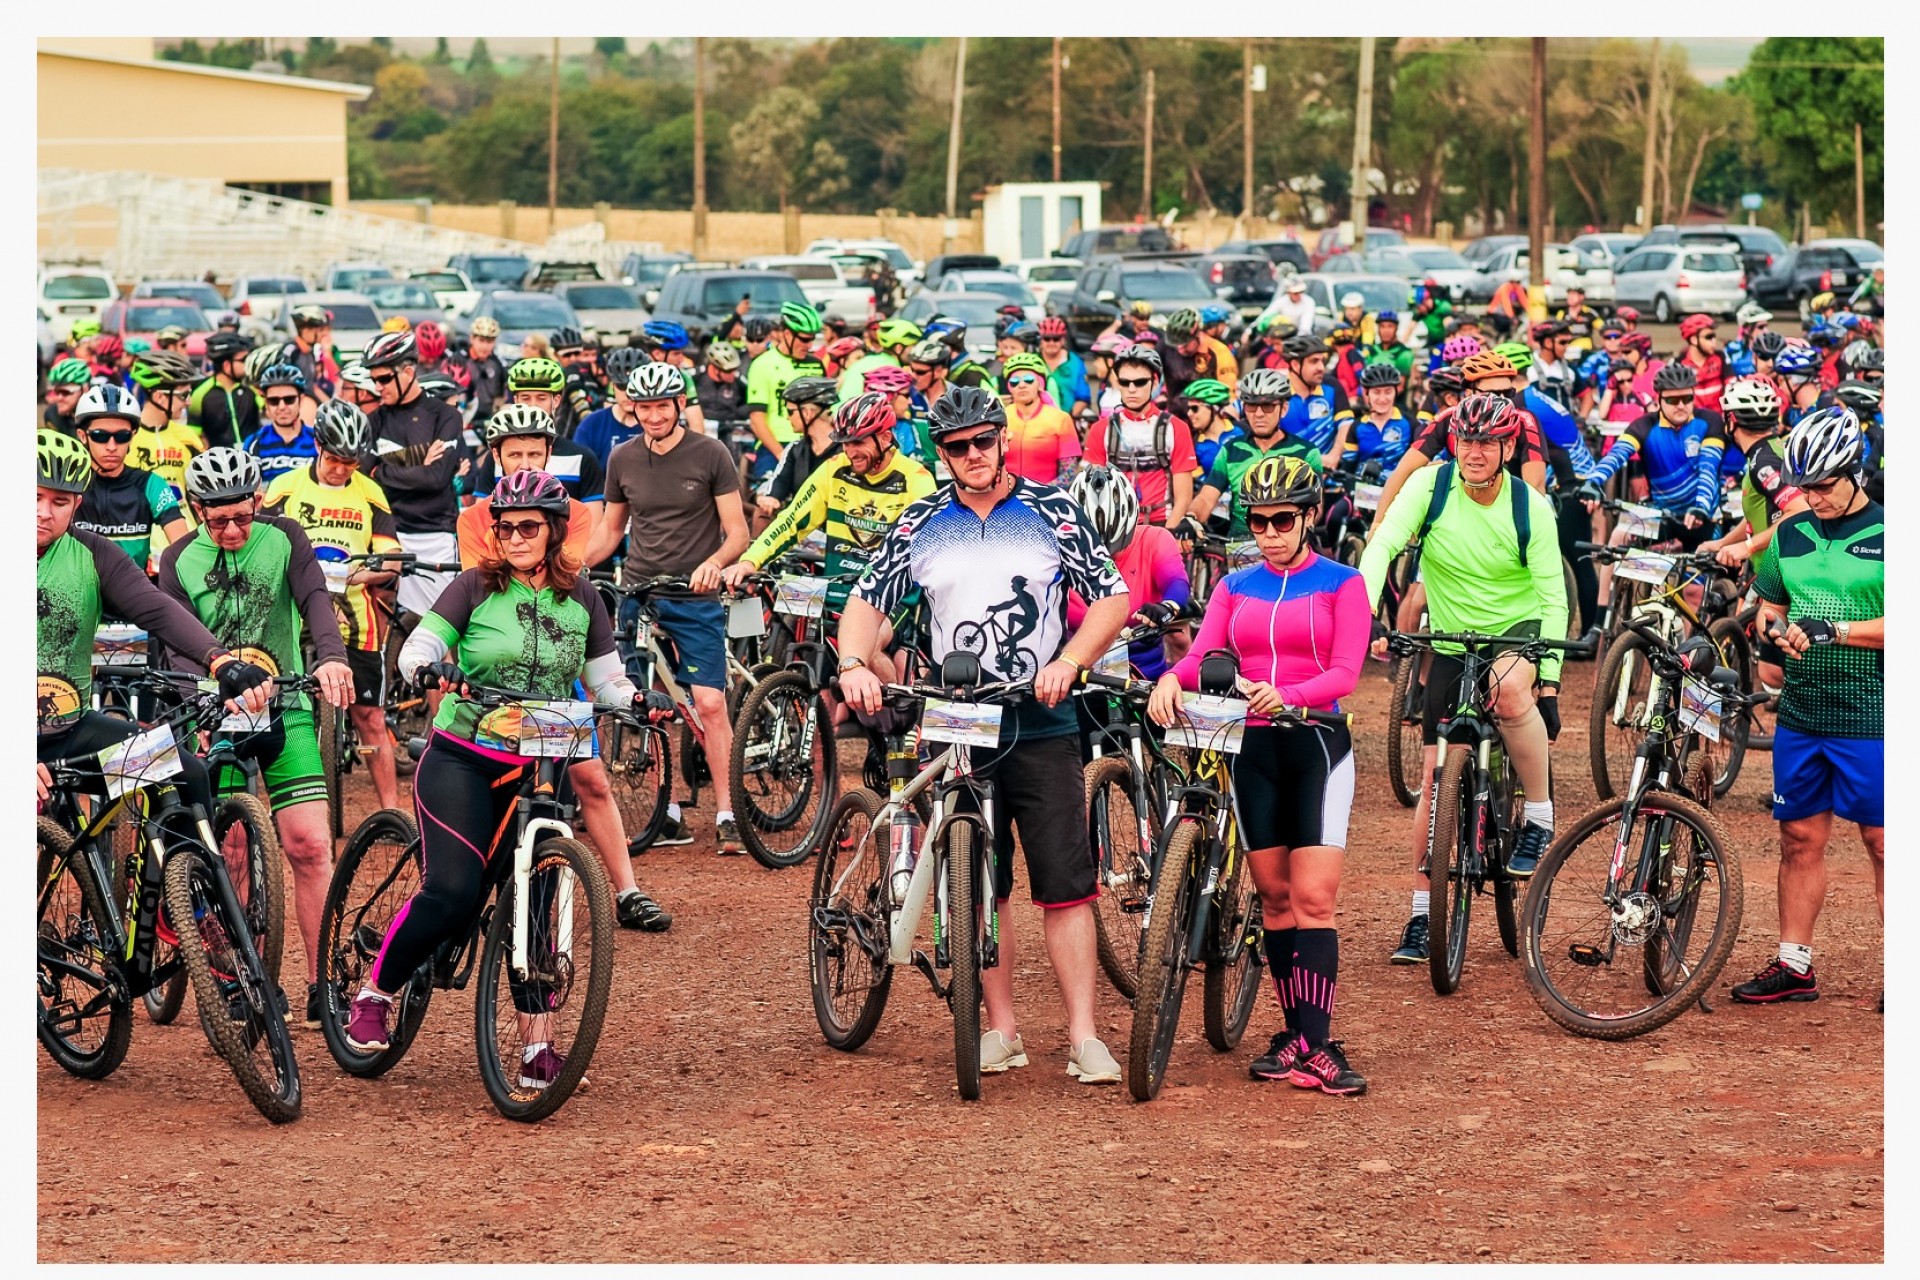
[698,629]
[1814,775]
[760,464]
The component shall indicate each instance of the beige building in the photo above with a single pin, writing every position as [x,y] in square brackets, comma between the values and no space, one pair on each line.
[106,104]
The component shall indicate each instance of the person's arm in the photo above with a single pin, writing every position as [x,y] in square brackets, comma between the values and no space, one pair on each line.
[1624,447]
[1180,481]
[1167,575]
[800,517]
[733,523]
[308,586]
[165,508]
[440,629]
[1396,527]
[1211,636]
[435,476]
[1410,462]
[1352,627]
[759,397]
[613,527]
[1706,473]
[603,672]
[164,611]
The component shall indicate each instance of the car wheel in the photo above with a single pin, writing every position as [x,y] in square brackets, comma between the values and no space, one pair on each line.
[1662,310]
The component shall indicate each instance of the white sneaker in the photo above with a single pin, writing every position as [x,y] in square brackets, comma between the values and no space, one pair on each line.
[998,1054]
[1090,1063]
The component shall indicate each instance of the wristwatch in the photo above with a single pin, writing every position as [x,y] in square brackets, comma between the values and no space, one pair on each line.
[1841,630]
[848,664]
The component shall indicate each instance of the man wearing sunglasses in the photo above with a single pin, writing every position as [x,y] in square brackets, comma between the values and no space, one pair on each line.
[285,443]
[1145,441]
[164,442]
[418,440]
[65,382]
[1263,403]
[124,504]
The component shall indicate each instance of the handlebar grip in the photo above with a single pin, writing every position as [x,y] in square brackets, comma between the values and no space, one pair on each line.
[1102,681]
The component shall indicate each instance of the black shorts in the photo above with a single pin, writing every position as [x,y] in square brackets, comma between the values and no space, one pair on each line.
[1672,529]
[1294,786]
[369,677]
[1444,694]
[1040,787]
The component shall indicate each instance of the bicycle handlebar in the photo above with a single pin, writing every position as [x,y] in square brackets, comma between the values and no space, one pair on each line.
[1140,690]
[402,562]
[1407,641]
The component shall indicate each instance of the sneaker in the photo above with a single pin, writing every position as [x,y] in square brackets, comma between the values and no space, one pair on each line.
[1090,1063]
[637,911]
[1528,849]
[727,833]
[1777,983]
[1413,942]
[1277,1063]
[315,1006]
[1326,1069]
[542,1070]
[673,831]
[997,1053]
[367,1024]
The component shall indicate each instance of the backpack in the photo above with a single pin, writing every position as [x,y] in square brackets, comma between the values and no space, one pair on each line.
[1522,516]
[1162,455]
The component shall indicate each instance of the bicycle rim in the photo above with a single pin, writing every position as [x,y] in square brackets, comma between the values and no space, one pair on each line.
[378,873]
[82,1026]
[640,774]
[1451,900]
[1623,693]
[785,770]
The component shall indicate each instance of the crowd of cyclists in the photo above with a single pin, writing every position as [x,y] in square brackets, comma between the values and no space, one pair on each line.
[429,519]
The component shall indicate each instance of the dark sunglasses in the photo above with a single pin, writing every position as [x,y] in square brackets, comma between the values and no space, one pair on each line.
[525,530]
[1676,400]
[921,371]
[110,437]
[1282,523]
[1023,380]
[1045,338]
[218,523]
[381,379]
[1135,382]
[283,399]
[984,442]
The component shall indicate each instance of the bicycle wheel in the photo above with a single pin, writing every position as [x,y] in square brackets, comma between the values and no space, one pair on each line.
[1508,798]
[963,951]
[1612,971]
[1730,752]
[1235,956]
[336,753]
[376,875]
[242,1006]
[1449,844]
[1118,832]
[640,770]
[1617,720]
[1405,744]
[243,831]
[1163,963]
[847,924]
[1574,629]
[1352,547]
[785,770]
[561,1003]
[83,1027]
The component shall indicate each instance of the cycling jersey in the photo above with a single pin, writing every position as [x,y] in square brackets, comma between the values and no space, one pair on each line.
[1237,456]
[1682,464]
[1225,367]
[569,462]
[79,578]
[487,381]
[1569,461]
[421,496]
[166,452]
[720,402]
[279,455]
[1398,354]
[1302,630]
[796,464]
[1149,449]
[1739,356]
[1205,451]
[1041,446]
[856,511]
[1710,379]
[125,509]
[1310,414]
[225,415]
[1151,567]
[1368,440]
[1765,494]
[1833,570]
[772,370]
[350,520]
[600,433]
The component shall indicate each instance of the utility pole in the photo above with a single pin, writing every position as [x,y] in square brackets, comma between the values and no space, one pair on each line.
[1146,176]
[1646,161]
[1246,130]
[1056,108]
[699,147]
[1362,147]
[553,141]
[1859,184]
[953,140]
[1537,185]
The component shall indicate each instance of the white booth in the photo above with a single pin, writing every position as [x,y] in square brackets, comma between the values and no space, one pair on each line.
[1032,219]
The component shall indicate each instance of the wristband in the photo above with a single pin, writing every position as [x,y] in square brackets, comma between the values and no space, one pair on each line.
[1078,665]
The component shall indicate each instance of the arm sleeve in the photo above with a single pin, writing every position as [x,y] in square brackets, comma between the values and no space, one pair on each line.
[1212,635]
[1549,585]
[1768,584]
[1352,629]
[309,588]
[800,517]
[1095,449]
[1182,449]
[1706,476]
[1397,527]
[125,591]
[425,645]
[160,498]
[1168,573]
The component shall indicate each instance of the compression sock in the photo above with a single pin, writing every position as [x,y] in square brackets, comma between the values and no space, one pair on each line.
[1797,956]
[1316,967]
[1421,898]
[1280,963]
[1538,811]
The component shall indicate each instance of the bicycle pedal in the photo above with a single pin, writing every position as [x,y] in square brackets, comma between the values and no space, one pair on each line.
[1586,955]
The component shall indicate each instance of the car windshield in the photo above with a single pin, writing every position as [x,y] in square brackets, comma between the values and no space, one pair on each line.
[1010,289]
[147,319]
[810,271]
[763,293]
[401,294]
[603,297]
[1391,294]
[896,258]
[1164,286]
[502,270]
[530,313]
[354,277]
[1381,237]
[439,280]
[200,295]
[1438,260]
[978,310]
[352,315]
[269,285]
[1050,273]
[1137,240]
[1703,260]
[77,288]
[651,273]
[1866,253]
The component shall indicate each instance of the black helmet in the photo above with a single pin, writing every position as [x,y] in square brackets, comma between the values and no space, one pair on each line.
[758,328]
[1675,376]
[820,391]
[963,408]
[225,346]
[566,338]
[1768,345]
[1446,380]
[621,362]
[1379,375]
[1300,346]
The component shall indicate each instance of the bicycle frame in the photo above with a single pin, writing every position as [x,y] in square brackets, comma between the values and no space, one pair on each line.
[1201,796]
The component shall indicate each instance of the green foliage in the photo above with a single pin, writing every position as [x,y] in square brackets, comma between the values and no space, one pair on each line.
[1807,94]
[479,60]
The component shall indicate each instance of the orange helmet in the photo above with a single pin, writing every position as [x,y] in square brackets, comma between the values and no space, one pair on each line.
[1486,364]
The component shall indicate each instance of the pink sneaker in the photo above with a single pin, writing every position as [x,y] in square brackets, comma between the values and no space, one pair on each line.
[367,1023]
[542,1070]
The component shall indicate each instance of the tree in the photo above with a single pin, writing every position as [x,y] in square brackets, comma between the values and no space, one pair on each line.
[771,150]
[1807,94]
[442,55]
[479,59]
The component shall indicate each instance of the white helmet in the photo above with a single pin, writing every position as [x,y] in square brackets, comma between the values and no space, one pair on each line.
[1826,443]
[656,381]
[1752,313]
[1751,398]
[1352,298]
[723,356]
[1110,502]
[222,474]
[105,401]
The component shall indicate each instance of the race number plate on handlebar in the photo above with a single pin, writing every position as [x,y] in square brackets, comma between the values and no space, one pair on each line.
[1700,710]
[145,758]
[1114,662]
[1645,566]
[965,724]
[119,644]
[336,572]
[1638,521]
[745,621]
[800,597]
[1367,496]
[1209,723]
[561,730]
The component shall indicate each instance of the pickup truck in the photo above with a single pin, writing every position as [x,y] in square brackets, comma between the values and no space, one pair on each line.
[451,288]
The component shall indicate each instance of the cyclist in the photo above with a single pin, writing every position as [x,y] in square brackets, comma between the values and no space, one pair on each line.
[1578,310]
[1106,396]
[1797,369]
[788,358]
[1042,443]
[1315,397]
[1209,417]
[606,428]
[1214,320]
[927,366]
[1487,373]
[1150,565]
[345,514]
[976,547]
[1343,364]
[311,353]
[571,462]
[1764,350]
[222,408]
[111,361]
[1445,389]
[718,388]
[1868,296]
[65,381]
[123,505]
[887,342]
[1386,348]
[1550,375]
[1827,565]
[1708,365]
[675,496]
[1753,320]
[1491,564]
[421,446]
[285,443]
[255,582]
[1185,357]
[1297,625]
[1263,404]
[1380,432]
[164,442]
[1149,443]
[488,380]
[809,403]
[1296,305]
[580,391]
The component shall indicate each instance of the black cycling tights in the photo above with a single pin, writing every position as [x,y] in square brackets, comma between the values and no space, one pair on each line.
[1575,525]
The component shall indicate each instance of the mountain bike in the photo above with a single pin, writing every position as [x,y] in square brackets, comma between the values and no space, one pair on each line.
[1406,711]
[542,940]
[1636,906]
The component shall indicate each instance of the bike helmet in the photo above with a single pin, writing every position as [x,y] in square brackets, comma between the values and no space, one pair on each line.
[963,408]
[1025,362]
[81,330]
[1446,380]
[136,345]
[898,333]
[1052,327]
[390,349]
[1141,354]
[1109,345]
[1182,324]
[105,401]
[108,348]
[69,373]
[930,351]
[355,375]
[1861,397]
[758,329]
[622,361]
[309,316]
[1302,345]
[1767,345]
[64,465]
[1826,336]
[1209,391]
[820,391]
[655,381]
[1821,302]
[1003,324]
[1459,347]
[665,334]
[867,415]
[1352,298]
[1111,504]
[1265,386]
[1750,314]
[225,346]
[1541,330]
[1637,341]
[430,340]
[1212,314]
[1023,331]
[566,338]
[843,349]
[1280,479]
[1675,376]
[1627,315]
[1344,335]
[159,370]
[1872,360]
[798,317]
[519,420]
[221,475]
[835,323]
[723,356]
[1751,401]
[440,386]
[1518,354]
[531,490]
[888,380]
[485,327]
[1797,360]
[259,360]
[536,373]
[1484,416]
[1386,315]
[1487,364]
[1826,443]
[1275,327]
[1853,352]
[396,324]
[342,429]
[1379,374]
[283,375]
[1142,308]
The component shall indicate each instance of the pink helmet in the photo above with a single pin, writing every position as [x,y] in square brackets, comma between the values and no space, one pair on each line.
[1110,344]
[1053,327]
[888,380]
[1459,347]
[431,340]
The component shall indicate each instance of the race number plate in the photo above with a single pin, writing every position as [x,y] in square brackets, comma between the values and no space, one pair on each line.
[146,758]
[1367,496]
[745,620]
[800,597]
[1114,662]
[119,644]
[965,724]
[1209,723]
[1700,710]
[247,722]
[336,573]
[1638,521]
[561,730]
[1645,566]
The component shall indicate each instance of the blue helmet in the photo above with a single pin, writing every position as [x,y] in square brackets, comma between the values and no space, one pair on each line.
[665,333]
[1797,361]
[1213,313]
[1387,313]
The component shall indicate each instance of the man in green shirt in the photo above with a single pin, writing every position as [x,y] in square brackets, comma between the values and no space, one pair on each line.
[889,341]
[1263,402]
[789,357]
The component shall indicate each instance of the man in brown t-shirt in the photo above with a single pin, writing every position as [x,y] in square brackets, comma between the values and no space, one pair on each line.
[676,496]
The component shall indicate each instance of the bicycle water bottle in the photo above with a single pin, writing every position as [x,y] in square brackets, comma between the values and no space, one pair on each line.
[903,843]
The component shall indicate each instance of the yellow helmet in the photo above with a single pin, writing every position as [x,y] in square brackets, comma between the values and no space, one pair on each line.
[1280,478]
[395,324]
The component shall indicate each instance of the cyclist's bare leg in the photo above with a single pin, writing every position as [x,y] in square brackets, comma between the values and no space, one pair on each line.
[1071,949]
[1803,875]
[602,817]
[1521,728]
[370,723]
[1412,605]
[712,706]
[1875,838]
[307,837]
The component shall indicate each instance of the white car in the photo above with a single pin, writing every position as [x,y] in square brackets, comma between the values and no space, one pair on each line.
[1672,280]
[1567,267]
[824,282]
[1047,276]
[1005,283]
[902,262]
[74,293]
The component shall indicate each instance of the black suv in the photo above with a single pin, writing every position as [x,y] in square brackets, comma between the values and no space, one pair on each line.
[1763,255]
[1134,237]
[701,298]
[492,270]
[1108,285]
[1275,251]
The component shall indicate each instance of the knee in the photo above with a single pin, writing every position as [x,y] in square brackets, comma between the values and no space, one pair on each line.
[709,702]
[1800,844]
[590,784]
[308,852]
[1512,701]
[1314,902]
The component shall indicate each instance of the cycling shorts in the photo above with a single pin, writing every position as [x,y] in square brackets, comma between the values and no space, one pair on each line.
[1444,692]
[369,677]
[1814,775]
[1294,786]
[1029,779]
[289,759]
[417,591]
[698,629]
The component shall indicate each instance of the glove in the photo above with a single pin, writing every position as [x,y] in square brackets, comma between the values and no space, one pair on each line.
[1189,528]
[437,675]
[238,676]
[1589,492]
[1817,630]
[1696,513]
[652,700]
[1550,716]
[1159,613]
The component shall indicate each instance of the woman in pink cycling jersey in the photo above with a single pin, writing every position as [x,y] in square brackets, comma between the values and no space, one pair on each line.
[1298,625]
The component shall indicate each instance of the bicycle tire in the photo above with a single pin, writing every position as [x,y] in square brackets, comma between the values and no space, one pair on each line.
[555,856]
[70,930]
[1574,629]
[963,953]
[1505,888]
[1403,769]
[1163,965]
[1117,933]
[1675,1001]
[352,931]
[1235,957]
[828,949]
[779,706]
[208,934]
[266,873]
[1730,641]
[336,760]
[639,763]
[1352,547]
[1615,705]
[1449,894]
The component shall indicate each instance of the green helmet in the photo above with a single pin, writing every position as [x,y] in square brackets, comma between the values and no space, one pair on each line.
[536,373]
[64,464]
[69,373]
[1518,353]
[81,330]
[1027,361]
[1209,391]
[898,333]
[159,370]
[137,345]
[260,359]
[1182,324]
[799,317]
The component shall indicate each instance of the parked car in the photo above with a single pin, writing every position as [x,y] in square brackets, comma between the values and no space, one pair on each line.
[1821,266]
[1479,250]
[262,297]
[977,311]
[356,321]
[821,279]
[1009,286]
[520,312]
[1672,280]
[1244,281]
[198,292]
[352,275]
[74,293]
[902,262]
[607,309]
[1378,293]
[1276,251]
[1331,241]
[1763,255]
[1132,237]
[455,292]
[645,271]
[545,275]
[1611,247]
[1047,276]
[700,297]
[1566,267]
[937,269]
[492,270]
[409,298]
[1110,285]
[145,317]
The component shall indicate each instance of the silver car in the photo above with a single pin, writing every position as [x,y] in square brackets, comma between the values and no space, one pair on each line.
[609,310]
[356,321]
[1567,268]
[1678,279]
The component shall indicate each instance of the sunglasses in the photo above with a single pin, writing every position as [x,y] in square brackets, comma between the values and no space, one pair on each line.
[1676,400]
[283,399]
[221,523]
[381,379]
[64,391]
[1044,338]
[110,437]
[1282,523]
[1135,382]
[523,530]
[1023,380]
[984,443]
[921,371]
